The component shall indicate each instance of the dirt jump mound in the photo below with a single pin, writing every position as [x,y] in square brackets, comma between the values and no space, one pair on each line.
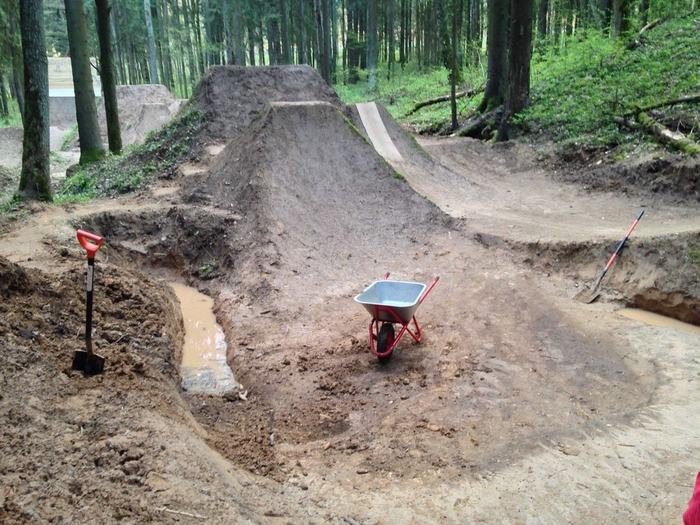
[303,177]
[231,97]
[142,109]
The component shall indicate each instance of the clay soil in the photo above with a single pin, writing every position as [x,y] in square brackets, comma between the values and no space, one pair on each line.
[519,406]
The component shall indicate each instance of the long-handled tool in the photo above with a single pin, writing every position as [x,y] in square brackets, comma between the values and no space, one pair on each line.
[588,296]
[86,360]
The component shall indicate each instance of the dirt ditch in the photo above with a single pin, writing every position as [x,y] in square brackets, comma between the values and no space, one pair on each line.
[658,274]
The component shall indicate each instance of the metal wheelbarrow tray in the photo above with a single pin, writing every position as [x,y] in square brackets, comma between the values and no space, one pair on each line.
[389,303]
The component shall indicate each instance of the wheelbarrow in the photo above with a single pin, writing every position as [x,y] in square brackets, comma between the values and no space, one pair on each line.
[390,303]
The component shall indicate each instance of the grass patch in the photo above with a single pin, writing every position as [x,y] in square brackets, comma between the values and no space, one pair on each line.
[115,175]
[69,138]
[14,118]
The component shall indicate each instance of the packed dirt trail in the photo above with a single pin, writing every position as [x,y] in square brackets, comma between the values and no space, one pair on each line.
[501,190]
[519,406]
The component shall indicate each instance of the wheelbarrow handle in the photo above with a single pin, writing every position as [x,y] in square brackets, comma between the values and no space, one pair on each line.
[430,286]
[90,242]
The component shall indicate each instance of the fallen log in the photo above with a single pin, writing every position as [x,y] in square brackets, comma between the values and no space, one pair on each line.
[666,136]
[638,40]
[691,99]
[445,98]
[661,133]
[475,127]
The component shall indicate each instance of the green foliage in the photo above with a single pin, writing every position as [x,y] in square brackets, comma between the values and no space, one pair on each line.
[69,138]
[120,174]
[13,118]
[413,85]
[12,205]
[577,88]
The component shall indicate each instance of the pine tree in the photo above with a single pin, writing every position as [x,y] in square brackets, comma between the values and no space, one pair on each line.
[91,148]
[34,181]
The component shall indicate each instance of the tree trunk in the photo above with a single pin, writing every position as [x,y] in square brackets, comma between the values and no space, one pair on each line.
[542,18]
[91,148]
[372,45]
[620,17]
[251,42]
[4,103]
[321,28]
[228,37]
[109,88]
[17,87]
[284,30]
[238,36]
[34,181]
[520,55]
[518,91]
[644,11]
[302,34]
[151,41]
[191,55]
[497,18]
[454,74]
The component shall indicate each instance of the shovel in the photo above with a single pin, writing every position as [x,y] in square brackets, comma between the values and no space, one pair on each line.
[588,296]
[86,360]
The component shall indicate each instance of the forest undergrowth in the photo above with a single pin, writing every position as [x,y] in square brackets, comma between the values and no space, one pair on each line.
[578,86]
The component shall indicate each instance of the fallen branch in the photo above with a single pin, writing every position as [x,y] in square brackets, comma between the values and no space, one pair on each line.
[661,133]
[638,39]
[181,513]
[691,99]
[651,25]
[475,127]
[444,98]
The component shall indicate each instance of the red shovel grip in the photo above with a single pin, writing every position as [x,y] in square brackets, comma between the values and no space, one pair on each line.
[90,242]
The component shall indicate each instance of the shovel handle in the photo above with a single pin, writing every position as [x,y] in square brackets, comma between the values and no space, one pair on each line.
[90,242]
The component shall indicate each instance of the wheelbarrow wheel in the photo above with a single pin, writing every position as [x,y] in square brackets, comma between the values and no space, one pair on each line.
[384,340]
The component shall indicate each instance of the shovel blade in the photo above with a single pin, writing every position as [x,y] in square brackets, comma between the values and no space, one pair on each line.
[587,296]
[88,362]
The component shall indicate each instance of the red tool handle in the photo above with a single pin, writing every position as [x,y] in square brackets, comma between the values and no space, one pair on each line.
[90,242]
[622,242]
[428,289]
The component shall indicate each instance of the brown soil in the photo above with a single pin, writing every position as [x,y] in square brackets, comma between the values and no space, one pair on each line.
[674,177]
[230,110]
[515,390]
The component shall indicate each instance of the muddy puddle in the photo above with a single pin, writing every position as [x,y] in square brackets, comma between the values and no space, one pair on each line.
[204,368]
[658,320]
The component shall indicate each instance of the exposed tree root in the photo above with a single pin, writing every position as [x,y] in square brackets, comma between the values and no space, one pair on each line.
[477,126]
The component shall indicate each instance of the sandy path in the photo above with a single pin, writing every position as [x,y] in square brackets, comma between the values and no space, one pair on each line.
[500,190]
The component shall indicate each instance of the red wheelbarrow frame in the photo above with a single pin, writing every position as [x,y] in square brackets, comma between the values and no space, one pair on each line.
[374,324]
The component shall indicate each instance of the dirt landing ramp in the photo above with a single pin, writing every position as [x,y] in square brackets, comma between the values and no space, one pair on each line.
[502,190]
